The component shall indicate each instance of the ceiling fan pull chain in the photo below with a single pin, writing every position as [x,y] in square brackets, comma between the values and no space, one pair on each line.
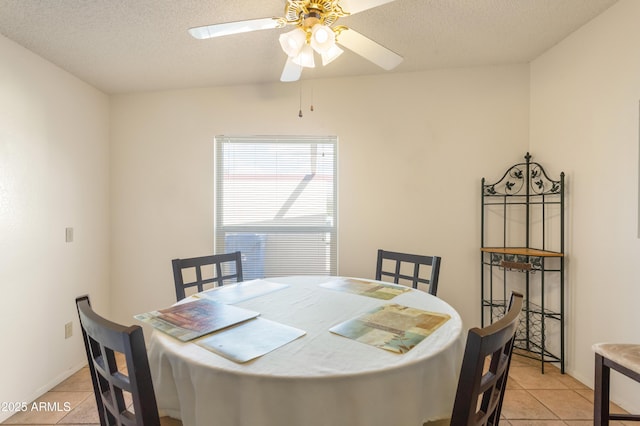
[300,104]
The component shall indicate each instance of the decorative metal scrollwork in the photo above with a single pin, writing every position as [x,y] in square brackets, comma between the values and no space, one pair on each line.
[516,182]
[517,262]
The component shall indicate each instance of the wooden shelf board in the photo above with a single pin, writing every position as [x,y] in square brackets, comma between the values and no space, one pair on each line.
[522,251]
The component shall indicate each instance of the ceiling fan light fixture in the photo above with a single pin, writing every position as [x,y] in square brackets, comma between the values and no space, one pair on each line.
[291,71]
[332,54]
[322,38]
[293,42]
[315,31]
[305,57]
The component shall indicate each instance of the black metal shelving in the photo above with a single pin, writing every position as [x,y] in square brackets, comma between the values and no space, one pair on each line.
[522,248]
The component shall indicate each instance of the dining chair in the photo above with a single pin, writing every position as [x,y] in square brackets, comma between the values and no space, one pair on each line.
[393,264]
[223,267]
[485,369]
[114,380]
[623,358]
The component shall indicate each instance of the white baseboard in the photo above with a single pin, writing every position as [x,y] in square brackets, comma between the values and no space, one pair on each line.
[45,388]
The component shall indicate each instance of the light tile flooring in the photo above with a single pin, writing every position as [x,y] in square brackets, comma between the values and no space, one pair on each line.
[549,399]
[532,399]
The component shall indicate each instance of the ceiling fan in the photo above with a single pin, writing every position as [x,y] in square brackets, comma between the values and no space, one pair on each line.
[314,32]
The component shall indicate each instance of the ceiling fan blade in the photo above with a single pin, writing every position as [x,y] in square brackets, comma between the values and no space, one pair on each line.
[291,71]
[355,6]
[369,49]
[237,27]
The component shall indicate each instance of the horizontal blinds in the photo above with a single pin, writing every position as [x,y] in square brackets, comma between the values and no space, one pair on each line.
[276,203]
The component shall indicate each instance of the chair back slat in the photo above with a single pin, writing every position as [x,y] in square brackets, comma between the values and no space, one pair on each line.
[226,267]
[481,387]
[119,367]
[397,260]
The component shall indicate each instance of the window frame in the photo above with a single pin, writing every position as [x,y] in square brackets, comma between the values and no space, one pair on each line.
[221,230]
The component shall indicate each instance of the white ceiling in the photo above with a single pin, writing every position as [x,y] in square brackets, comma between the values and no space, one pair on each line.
[122,46]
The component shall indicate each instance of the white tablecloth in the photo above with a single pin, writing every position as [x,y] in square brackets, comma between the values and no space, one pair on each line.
[320,379]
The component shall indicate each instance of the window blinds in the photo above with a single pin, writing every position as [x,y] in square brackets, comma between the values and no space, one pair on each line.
[275,202]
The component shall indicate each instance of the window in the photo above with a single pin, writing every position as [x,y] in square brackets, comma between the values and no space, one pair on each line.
[275,202]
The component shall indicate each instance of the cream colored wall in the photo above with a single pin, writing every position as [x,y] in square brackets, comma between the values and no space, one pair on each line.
[53,174]
[412,151]
[412,148]
[585,95]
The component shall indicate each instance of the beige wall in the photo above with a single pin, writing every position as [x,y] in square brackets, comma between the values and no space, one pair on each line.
[585,95]
[53,174]
[412,150]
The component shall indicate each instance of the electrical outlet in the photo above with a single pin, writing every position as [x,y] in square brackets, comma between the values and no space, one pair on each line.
[68,330]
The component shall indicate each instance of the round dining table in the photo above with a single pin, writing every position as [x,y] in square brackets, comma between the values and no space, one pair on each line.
[319,379]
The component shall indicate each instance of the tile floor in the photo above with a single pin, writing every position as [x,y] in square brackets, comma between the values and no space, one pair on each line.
[532,399]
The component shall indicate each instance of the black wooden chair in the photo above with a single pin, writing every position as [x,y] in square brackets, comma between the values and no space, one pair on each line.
[113,384]
[480,389]
[392,264]
[224,267]
[623,358]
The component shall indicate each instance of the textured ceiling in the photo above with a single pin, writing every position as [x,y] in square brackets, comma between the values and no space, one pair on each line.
[122,46]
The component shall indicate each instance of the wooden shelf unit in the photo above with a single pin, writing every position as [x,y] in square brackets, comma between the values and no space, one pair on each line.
[522,251]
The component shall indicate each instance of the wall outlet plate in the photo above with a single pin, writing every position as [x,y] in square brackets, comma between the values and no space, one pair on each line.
[68,235]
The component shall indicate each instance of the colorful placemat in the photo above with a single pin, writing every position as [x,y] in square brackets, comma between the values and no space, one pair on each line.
[374,289]
[392,327]
[187,321]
